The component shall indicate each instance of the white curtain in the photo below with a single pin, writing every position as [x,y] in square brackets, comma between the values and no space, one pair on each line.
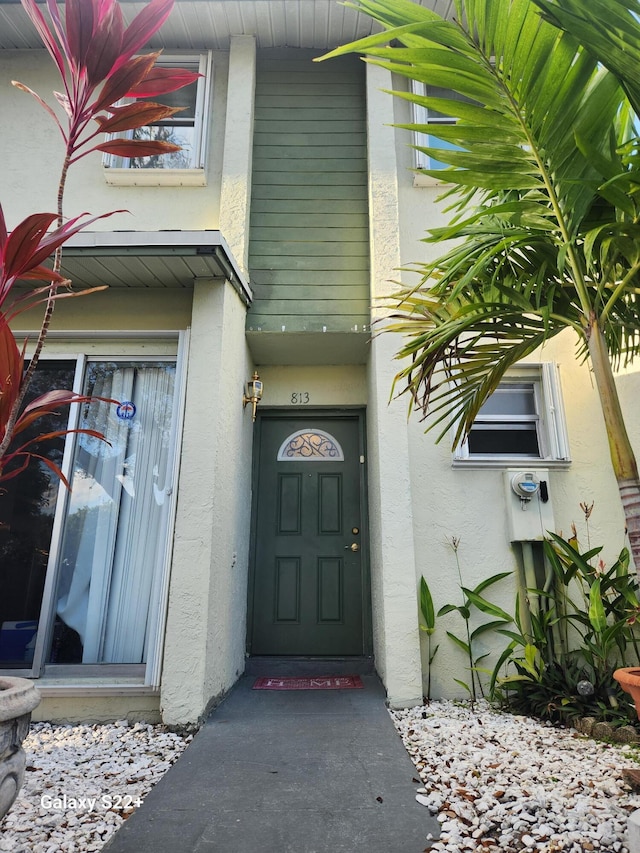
[114,536]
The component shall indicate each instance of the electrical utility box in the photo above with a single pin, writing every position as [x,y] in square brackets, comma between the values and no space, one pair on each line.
[529,508]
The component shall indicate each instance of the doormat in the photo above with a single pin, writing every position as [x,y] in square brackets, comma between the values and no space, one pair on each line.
[323,682]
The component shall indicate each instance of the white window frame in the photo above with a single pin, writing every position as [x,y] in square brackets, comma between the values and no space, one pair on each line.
[549,419]
[117,171]
[420,115]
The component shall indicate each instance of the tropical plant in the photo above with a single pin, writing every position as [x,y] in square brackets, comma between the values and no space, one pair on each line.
[472,598]
[544,176]
[94,54]
[606,612]
[428,625]
[615,46]
[564,692]
[562,665]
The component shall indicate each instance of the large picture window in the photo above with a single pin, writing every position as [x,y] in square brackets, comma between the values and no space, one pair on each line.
[87,588]
[115,519]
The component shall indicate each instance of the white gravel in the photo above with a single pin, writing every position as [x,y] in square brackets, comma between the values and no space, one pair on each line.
[500,782]
[82,782]
[497,782]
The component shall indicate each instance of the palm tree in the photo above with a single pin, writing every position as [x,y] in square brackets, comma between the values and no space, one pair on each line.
[544,189]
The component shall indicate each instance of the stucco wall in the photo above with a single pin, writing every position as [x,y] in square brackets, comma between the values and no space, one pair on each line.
[395,622]
[32,155]
[82,707]
[206,626]
[116,309]
[325,386]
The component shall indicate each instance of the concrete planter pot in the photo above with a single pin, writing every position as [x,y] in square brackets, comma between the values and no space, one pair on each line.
[18,698]
[629,679]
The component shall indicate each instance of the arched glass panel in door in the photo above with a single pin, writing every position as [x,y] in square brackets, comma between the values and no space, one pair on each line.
[310,445]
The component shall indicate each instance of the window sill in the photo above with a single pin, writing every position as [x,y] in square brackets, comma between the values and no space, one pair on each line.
[420,179]
[522,462]
[55,687]
[155,177]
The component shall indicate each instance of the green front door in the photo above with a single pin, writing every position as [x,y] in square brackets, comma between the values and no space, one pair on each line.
[308,572]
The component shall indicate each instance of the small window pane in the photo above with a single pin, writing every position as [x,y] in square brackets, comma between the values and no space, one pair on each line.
[504,439]
[510,400]
[184,99]
[177,135]
[310,445]
[449,95]
[184,129]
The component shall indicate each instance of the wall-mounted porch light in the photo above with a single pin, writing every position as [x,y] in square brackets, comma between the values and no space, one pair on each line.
[254,393]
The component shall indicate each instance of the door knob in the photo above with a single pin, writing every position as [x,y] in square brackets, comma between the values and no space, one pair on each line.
[353,547]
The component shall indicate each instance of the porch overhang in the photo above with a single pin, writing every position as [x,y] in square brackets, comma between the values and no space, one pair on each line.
[210,24]
[151,259]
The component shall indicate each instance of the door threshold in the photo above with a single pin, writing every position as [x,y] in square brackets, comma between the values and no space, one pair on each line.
[268,665]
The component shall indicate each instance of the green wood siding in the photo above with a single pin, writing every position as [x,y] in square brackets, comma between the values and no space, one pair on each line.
[309,238]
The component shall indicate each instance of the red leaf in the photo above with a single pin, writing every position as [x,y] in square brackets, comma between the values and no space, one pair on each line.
[106,46]
[29,244]
[127,77]
[135,115]
[80,20]
[11,372]
[48,404]
[24,241]
[37,19]
[41,295]
[3,232]
[64,102]
[51,399]
[58,28]
[51,241]
[144,25]
[45,106]
[43,274]
[27,457]
[136,148]
[161,80]
[13,473]
[53,467]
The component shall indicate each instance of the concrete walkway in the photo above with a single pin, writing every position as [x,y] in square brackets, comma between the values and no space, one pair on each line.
[319,771]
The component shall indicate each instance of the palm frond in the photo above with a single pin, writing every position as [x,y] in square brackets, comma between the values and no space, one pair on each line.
[609,29]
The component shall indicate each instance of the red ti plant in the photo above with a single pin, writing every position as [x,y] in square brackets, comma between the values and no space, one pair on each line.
[22,254]
[95,55]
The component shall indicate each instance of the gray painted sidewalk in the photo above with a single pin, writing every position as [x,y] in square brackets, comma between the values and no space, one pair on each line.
[320,771]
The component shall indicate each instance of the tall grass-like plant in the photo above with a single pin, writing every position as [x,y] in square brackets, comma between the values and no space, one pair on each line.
[473,598]
[428,625]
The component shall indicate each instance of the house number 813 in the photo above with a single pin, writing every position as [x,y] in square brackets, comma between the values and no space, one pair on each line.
[299,398]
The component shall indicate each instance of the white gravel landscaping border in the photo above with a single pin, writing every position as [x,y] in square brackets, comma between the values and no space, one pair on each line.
[83,781]
[498,782]
[507,783]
